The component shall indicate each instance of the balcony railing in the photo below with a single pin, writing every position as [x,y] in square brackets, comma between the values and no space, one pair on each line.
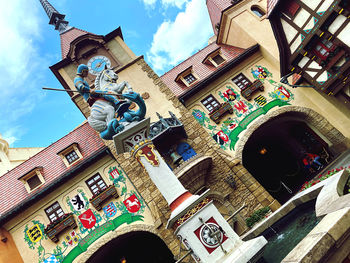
[98,199]
[58,226]
[220,111]
[248,91]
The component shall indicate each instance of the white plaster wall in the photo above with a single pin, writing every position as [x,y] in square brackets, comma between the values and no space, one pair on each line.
[336,24]
[311,3]
[295,44]
[315,65]
[289,31]
[323,76]
[344,35]
[303,62]
[326,4]
[301,17]
[310,24]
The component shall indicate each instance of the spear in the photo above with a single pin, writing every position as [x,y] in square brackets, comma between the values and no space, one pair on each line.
[97,91]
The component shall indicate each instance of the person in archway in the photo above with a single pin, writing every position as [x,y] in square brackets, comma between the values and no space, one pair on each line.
[312,161]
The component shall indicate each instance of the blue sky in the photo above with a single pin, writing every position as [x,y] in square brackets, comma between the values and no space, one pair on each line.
[165,31]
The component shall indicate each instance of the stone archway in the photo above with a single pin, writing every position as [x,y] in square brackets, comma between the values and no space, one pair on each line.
[130,242]
[273,148]
[339,142]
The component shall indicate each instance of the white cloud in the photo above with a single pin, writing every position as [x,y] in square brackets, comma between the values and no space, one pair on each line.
[20,65]
[165,3]
[176,40]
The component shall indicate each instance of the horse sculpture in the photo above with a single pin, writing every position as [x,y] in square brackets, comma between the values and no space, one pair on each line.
[103,113]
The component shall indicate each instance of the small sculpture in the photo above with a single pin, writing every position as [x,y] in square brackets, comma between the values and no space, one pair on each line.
[107,101]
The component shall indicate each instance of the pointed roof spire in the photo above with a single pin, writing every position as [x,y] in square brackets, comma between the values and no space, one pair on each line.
[55,17]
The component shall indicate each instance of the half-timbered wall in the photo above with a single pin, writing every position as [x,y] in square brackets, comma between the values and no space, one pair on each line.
[317,39]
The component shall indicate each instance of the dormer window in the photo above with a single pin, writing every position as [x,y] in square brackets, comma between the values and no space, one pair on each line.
[215,58]
[190,78]
[72,157]
[257,11]
[33,179]
[70,154]
[187,77]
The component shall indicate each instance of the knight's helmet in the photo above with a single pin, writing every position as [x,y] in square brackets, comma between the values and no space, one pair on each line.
[82,67]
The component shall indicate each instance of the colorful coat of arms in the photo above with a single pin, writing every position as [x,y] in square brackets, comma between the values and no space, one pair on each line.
[132,204]
[51,259]
[114,173]
[78,202]
[72,238]
[260,72]
[221,138]
[88,219]
[34,233]
[110,210]
[282,93]
[230,95]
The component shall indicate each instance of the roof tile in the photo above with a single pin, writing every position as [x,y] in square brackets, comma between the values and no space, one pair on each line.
[200,69]
[67,37]
[215,8]
[13,192]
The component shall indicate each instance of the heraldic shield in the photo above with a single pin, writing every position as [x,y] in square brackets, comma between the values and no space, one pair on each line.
[88,219]
[132,204]
[110,210]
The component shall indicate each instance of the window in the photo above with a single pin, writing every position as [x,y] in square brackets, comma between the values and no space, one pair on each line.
[218,59]
[190,78]
[96,184]
[71,157]
[187,77]
[323,48]
[70,154]
[33,182]
[54,212]
[32,179]
[210,103]
[257,11]
[241,81]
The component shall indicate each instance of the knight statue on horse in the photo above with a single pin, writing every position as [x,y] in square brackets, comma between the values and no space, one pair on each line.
[110,112]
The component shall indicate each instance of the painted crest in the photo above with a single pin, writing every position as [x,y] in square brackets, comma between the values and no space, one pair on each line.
[261,100]
[114,173]
[34,233]
[260,73]
[230,95]
[110,210]
[78,202]
[221,138]
[282,93]
[88,219]
[148,152]
[51,259]
[203,234]
[132,204]
[240,106]
[72,239]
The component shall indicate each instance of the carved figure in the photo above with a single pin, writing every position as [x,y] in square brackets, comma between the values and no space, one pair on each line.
[107,101]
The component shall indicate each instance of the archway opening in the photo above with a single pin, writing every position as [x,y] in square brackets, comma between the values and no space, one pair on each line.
[274,155]
[134,247]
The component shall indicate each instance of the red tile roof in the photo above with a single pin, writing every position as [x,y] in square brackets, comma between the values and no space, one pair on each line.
[13,192]
[200,69]
[215,8]
[271,5]
[67,37]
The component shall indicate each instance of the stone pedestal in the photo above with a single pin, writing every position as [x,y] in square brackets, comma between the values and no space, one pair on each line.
[195,219]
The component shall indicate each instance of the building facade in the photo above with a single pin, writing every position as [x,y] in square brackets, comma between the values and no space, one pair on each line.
[79,201]
[233,89]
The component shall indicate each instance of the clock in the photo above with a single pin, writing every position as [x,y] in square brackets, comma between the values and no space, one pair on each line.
[97,63]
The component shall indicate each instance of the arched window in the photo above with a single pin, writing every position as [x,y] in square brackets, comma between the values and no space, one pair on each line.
[257,11]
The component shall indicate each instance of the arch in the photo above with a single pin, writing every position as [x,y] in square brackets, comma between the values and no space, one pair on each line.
[336,138]
[257,11]
[104,240]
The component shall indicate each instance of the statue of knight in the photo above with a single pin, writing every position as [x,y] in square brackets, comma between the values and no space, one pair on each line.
[107,101]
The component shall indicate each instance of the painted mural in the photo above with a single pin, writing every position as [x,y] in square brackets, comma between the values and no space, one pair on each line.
[227,134]
[129,207]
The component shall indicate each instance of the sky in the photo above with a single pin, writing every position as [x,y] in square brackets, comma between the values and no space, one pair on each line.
[166,32]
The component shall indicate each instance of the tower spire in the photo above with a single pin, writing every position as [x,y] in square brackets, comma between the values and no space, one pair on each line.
[55,17]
